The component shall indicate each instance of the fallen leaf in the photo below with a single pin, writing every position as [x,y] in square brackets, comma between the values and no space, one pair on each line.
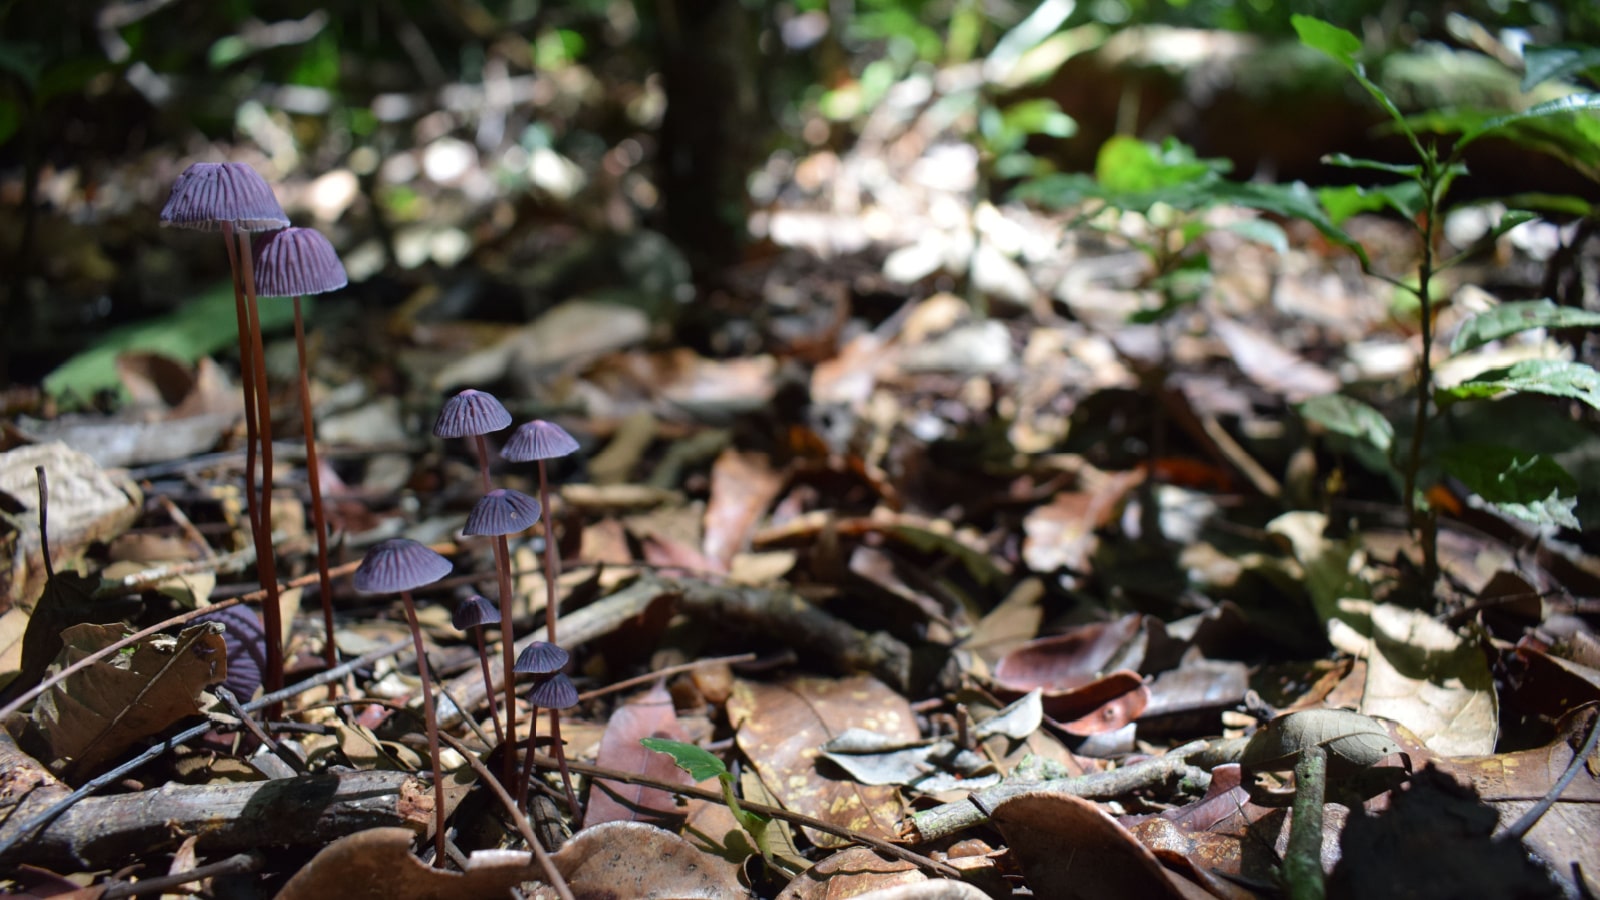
[1070,849]
[649,714]
[99,711]
[781,730]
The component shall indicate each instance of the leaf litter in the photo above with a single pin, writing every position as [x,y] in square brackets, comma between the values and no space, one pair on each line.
[1049,601]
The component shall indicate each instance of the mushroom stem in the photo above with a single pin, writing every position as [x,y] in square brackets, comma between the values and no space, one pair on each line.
[525,780]
[508,630]
[266,564]
[494,707]
[552,574]
[319,522]
[247,378]
[559,751]
[432,720]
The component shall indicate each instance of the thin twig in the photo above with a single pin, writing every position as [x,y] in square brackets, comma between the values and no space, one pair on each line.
[237,864]
[665,672]
[252,597]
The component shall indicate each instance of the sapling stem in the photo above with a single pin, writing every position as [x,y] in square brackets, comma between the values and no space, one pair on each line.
[431,718]
[319,522]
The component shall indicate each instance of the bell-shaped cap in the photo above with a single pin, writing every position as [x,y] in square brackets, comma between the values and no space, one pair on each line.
[555,692]
[399,564]
[539,440]
[470,412]
[294,262]
[540,658]
[502,511]
[246,641]
[208,194]
[476,611]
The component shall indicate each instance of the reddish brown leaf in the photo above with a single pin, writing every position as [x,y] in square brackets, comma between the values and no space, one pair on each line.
[650,714]
[743,486]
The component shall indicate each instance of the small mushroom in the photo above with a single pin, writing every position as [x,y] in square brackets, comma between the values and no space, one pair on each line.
[473,615]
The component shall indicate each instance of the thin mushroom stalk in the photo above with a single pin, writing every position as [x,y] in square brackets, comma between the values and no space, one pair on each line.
[538,441]
[473,413]
[399,566]
[291,263]
[234,199]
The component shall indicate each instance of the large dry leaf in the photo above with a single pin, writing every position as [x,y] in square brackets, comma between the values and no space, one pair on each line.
[852,872]
[781,729]
[87,504]
[377,865]
[98,712]
[648,715]
[1069,849]
[641,862]
[1421,673]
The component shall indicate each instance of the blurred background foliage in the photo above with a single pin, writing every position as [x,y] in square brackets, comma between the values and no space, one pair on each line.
[680,116]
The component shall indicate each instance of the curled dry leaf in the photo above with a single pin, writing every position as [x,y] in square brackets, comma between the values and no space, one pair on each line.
[377,864]
[1353,741]
[1069,849]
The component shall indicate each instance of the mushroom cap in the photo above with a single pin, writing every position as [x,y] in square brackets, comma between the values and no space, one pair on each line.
[246,641]
[555,692]
[207,195]
[293,262]
[399,564]
[502,511]
[540,658]
[470,412]
[474,612]
[539,440]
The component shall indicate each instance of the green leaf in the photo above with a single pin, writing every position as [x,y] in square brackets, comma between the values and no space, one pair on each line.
[1130,166]
[1350,417]
[1346,201]
[1572,103]
[1531,487]
[1042,116]
[1553,377]
[1346,161]
[1330,39]
[1295,201]
[697,762]
[1552,61]
[1510,318]
[199,328]
[1565,204]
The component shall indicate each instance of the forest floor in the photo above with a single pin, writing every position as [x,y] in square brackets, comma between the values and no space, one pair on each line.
[1047,595]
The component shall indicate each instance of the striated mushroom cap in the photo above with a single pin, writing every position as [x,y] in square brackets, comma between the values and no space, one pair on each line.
[294,262]
[208,194]
[555,692]
[502,511]
[540,658]
[474,612]
[470,412]
[539,440]
[399,564]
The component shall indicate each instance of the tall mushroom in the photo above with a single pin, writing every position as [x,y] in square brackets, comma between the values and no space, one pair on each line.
[401,565]
[234,199]
[499,513]
[291,263]
[473,414]
[537,441]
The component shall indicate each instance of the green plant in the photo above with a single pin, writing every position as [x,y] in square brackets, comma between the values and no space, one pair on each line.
[700,765]
[1530,486]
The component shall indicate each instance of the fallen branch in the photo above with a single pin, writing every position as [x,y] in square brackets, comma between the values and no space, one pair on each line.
[1189,760]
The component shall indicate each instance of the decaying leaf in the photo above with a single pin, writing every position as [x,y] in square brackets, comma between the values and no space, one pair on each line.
[1069,848]
[378,865]
[98,712]
[782,728]
[635,860]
